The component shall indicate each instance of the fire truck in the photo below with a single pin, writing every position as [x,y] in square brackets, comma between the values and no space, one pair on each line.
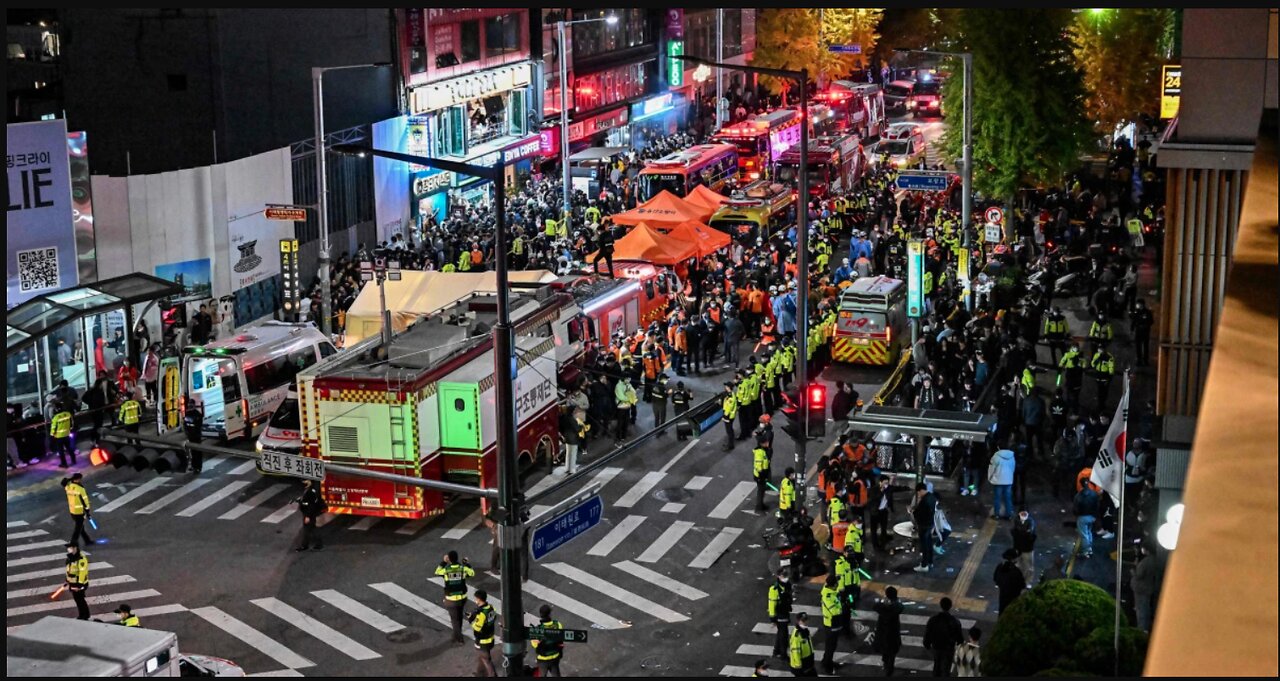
[836,164]
[761,141]
[859,105]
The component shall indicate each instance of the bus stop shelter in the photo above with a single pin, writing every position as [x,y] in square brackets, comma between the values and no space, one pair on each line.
[73,333]
[923,425]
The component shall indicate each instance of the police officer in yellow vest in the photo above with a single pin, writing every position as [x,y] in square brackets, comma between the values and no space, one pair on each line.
[1028,382]
[455,576]
[760,471]
[1100,332]
[743,393]
[787,495]
[1104,368]
[549,652]
[593,214]
[831,620]
[549,228]
[482,628]
[729,406]
[1071,366]
[127,618]
[780,610]
[800,651]
[130,415]
[78,505]
[1055,331]
[78,579]
[60,435]
[464,260]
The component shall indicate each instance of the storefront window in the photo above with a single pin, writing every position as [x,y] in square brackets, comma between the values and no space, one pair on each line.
[632,29]
[501,35]
[517,120]
[487,119]
[470,40]
[597,90]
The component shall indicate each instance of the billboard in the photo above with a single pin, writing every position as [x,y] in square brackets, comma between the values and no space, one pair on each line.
[82,205]
[1170,90]
[195,277]
[41,239]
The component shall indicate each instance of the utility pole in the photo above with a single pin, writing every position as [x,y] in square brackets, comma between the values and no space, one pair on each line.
[721,117]
[322,199]
[966,185]
[566,187]
[802,288]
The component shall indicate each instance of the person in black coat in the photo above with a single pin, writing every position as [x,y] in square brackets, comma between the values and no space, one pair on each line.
[1009,579]
[888,634]
[941,636]
[926,504]
[880,503]
[312,505]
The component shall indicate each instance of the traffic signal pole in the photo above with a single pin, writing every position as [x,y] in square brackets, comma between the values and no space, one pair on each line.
[802,290]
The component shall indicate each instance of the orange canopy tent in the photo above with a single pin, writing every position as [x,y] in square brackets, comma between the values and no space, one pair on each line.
[665,208]
[706,240]
[648,244]
[706,198]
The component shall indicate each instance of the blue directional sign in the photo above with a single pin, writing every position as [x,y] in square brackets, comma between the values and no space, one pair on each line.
[922,180]
[559,530]
[847,49]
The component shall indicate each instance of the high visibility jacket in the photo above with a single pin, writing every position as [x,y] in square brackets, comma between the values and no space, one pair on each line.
[854,538]
[786,494]
[830,605]
[857,493]
[517,246]
[770,374]
[768,331]
[549,227]
[549,650]
[1070,359]
[1134,225]
[1028,381]
[833,509]
[928,282]
[779,600]
[755,382]
[477,257]
[730,407]
[1100,331]
[61,426]
[131,621]
[651,365]
[449,267]
[1103,363]
[843,571]
[464,261]
[760,462]
[679,339]
[624,396]
[129,412]
[455,580]
[78,570]
[1055,326]
[593,214]
[800,650]
[744,392]
[77,499]
[482,625]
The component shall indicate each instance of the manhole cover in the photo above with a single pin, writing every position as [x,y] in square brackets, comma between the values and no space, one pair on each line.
[672,494]
[667,635]
[653,663]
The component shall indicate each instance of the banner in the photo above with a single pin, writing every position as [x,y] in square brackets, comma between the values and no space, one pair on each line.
[41,238]
[82,205]
[195,277]
[1108,470]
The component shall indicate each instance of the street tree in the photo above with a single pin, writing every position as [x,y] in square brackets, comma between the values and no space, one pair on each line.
[847,26]
[786,38]
[1120,52]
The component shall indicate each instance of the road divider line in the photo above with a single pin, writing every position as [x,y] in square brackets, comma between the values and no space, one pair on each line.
[174,496]
[464,526]
[254,638]
[132,494]
[574,606]
[68,603]
[254,501]
[662,581]
[621,531]
[413,527]
[231,488]
[665,541]
[55,572]
[243,468]
[732,500]
[325,518]
[715,548]
[19,548]
[15,523]
[319,630]
[281,513]
[42,590]
[358,610]
[640,489]
[672,461]
[411,600]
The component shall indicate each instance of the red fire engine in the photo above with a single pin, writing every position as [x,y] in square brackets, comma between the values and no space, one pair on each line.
[836,165]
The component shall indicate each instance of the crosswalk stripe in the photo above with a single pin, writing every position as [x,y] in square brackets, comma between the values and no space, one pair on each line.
[621,531]
[422,605]
[280,513]
[214,498]
[55,572]
[715,548]
[544,483]
[254,638]
[663,543]
[731,670]
[769,628]
[365,523]
[847,658]
[25,535]
[279,672]
[658,579]
[243,468]
[67,602]
[602,477]
[732,500]
[15,523]
[464,526]
[617,593]
[254,501]
[672,507]
[159,610]
[210,464]
[697,482]
[325,633]
[574,606]
[325,518]
[132,494]
[638,490]
[18,548]
[174,496]
[358,610]
[47,558]
[42,590]
[869,616]
[414,527]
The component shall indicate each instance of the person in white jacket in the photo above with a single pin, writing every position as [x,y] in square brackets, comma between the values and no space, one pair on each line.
[1000,475]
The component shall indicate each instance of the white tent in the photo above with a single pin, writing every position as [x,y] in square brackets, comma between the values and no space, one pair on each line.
[419,294]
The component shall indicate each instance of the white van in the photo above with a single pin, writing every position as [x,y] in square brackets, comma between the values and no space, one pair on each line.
[61,647]
[284,430]
[242,379]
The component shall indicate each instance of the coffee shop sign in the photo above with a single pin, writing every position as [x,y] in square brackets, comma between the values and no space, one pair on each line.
[474,86]
[430,183]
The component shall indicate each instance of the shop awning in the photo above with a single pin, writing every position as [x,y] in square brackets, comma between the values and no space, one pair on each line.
[44,314]
[648,244]
[596,153]
[705,240]
[665,208]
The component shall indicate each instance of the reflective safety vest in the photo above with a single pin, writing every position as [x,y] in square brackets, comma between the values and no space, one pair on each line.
[129,412]
[1100,331]
[61,426]
[1028,381]
[517,246]
[1070,359]
[1103,363]
[928,282]
[482,625]
[131,621]
[448,268]
[779,600]
[858,492]
[786,494]
[77,498]
[838,532]
[730,406]
[593,214]
[1134,225]
[464,261]
[549,650]
[549,227]
[800,650]
[830,605]
[455,580]
[854,538]
[760,462]
[78,570]
[843,570]
[1055,326]
[833,510]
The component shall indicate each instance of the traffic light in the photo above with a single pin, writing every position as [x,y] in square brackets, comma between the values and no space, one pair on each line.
[815,395]
[817,410]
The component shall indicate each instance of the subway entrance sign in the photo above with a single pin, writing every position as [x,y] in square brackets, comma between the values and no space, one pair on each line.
[579,516]
[915,278]
[923,180]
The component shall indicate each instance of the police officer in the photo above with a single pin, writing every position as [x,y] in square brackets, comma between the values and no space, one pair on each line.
[729,405]
[482,628]
[1055,331]
[680,398]
[78,579]
[1104,368]
[787,496]
[193,424]
[831,620]
[658,400]
[311,505]
[800,650]
[127,618]
[60,434]
[549,652]
[78,505]
[131,414]
[455,576]
[1100,331]
[760,471]
[1071,367]
[780,611]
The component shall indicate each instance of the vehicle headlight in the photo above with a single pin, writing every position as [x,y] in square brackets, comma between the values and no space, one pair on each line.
[257,446]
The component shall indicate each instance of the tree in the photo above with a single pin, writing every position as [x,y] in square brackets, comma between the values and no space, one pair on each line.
[1120,52]
[846,26]
[1028,108]
[914,27]
[786,38]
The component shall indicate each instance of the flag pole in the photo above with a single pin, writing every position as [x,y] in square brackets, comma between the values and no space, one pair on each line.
[1120,524]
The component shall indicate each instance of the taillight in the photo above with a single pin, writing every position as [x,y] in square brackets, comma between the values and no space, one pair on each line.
[790,550]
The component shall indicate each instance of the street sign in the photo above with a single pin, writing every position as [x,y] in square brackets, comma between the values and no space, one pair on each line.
[846,49]
[923,180]
[287,213]
[565,526]
[962,273]
[291,292]
[276,463]
[915,278]
[994,214]
[992,233]
[557,635]
[1170,90]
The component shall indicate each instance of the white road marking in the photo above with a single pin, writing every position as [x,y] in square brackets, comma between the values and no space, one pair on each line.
[415,602]
[281,513]
[325,518]
[617,593]
[464,526]
[658,579]
[279,672]
[672,461]
[545,482]
[414,526]
[672,507]
[251,464]
[663,543]
[529,618]
[846,658]
[715,548]
[325,633]
[254,501]
[214,498]
[19,548]
[732,500]
[697,482]
[254,638]
[621,531]
[869,616]
[358,610]
[174,495]
[365,523]
[573,606]
[133,494]
[640,489]
[55,572]
[159,610]
[770,629]
[25,535]
[67,601]
[42,590]
[602,477]
[47,558]
[15,523]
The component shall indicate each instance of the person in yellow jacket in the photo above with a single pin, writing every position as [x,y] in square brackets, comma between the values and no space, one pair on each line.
[60,436]
[624,396]
[831,620]
[483,623]
[787,495]
[78,505]
[800,650]
[729,409]
[78,579]
[131,416]
[455,576]
[127,618]
[548,652]
[760,471]
[464,260]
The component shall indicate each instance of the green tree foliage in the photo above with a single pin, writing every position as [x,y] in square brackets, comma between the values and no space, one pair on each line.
[786,38]
[847,26]
[1120,52]
[1028,110]
[1041,629]
[1095,653]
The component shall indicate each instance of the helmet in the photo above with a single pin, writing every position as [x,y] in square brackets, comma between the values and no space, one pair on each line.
[765,418]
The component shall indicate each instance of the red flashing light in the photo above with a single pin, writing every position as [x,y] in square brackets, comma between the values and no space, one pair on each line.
[817,395]
[98,456]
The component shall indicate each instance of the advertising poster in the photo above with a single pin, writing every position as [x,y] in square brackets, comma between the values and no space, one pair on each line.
[82,205]
[391,178]
[195,277]
[41,241]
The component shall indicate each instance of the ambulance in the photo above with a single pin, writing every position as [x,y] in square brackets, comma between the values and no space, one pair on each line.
[871,325]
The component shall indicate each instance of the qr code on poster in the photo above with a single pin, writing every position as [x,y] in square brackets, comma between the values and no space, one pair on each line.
[38,269]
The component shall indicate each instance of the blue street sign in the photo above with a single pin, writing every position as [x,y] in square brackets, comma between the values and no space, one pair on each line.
[922,180]
[556,532]
[847,49]
[915,278]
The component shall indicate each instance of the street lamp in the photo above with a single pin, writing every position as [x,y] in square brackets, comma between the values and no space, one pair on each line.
[566,190]
[322,185]
[802,248]
[966,217]
[510,534]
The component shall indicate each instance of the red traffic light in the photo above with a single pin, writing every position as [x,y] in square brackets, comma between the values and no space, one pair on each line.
[817,395]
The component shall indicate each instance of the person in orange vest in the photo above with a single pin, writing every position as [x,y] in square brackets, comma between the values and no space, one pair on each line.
[838,532]
[477,258]
[679,339]
[858,492]
[652,367]
[768,332]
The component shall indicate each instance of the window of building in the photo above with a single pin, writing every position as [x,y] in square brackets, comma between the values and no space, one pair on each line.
[632,29]
[501,35]
[517,119]
[597,90]
[469,39]
[487,119]
[700,33]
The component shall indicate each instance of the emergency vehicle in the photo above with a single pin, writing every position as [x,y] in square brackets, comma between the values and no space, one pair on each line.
[836,165]
[712,165]
[761,141]
[756,211]
[872,322]
[609,306]
[862,105]
[658,286]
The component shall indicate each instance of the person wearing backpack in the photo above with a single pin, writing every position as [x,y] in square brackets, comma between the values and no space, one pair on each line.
[312,504]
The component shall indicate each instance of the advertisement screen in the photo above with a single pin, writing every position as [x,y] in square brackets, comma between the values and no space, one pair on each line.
[82,205]
[40,239]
